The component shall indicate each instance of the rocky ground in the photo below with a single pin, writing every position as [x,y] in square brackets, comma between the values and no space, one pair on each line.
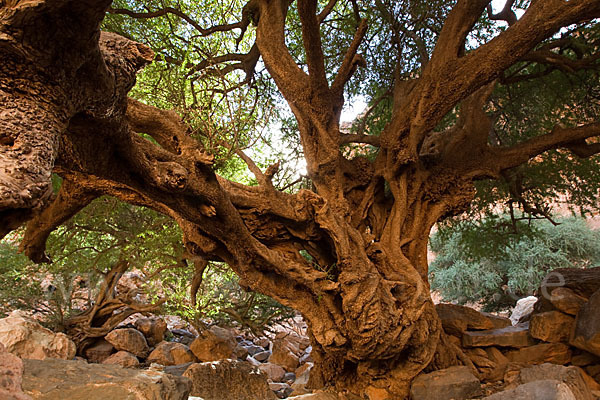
[550,350]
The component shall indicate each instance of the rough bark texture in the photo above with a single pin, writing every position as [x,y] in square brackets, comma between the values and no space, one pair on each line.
[63,88]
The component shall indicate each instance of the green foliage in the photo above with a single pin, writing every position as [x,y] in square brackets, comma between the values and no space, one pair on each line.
[490,261]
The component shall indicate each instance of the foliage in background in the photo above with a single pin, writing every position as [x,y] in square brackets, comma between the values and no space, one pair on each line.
[488,261]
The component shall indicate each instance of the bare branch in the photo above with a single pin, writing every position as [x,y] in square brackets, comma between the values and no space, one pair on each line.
[351,60]
[326,11]
[507,14]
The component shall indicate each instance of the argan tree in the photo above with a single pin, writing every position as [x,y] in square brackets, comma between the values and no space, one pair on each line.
[64,109]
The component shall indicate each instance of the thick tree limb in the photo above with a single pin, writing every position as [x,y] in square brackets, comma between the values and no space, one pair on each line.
[351,60]
[506,14]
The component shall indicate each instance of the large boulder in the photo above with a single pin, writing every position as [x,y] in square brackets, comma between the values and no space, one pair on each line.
[537,390]
[523,308]
[25,338]
[571,376]
[446,384]
[171,353]
[124,359]
[273,371]
[76,380]
[586,335]
[153,329]
[511,336]
[457,319]
[214,344]
[286,352]
[551,326]
[228,379]
[566,300]
[11,375]
[130,340]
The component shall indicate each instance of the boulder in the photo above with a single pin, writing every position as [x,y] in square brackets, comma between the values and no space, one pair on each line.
[273,371]
[153,329]
[586,335]
[457,319]
[241,352]
[555,353]
[551,326]
[315,396]
[285,353]
[583,282]
[566,300]
[511,336]
[11,376]
[124,359]
[183,336]
[523,308]
[214,344]
[281,390]
[584,358]
[537,390]
[262,342]
[571,376]
[130,340]
[171,353]
[451,383]
[228,379]
[497,321]
[76,380]
[99,351]
[177,370]
[263,356]
[25,338]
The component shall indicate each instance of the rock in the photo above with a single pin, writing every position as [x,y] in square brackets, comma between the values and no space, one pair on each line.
[263,356]
[307,355]
[11,376]
[99,351]
[566,300]
[457,319]
[252,350]
[130,340]
[177,370]
[282,390]
[538,390]
[262,342]
[24,337]
[551,326]
[252,361]
[497,321]
[289,377]
[228,379]
[124,359]
[584,282]
[183,336]
[240,352]
[214,344]
[571,376]
[303,374]
[446,384]
[555,353]
[273,371]
[153,329]
[74,380]
[586,335]
[512,336]
[523,308]
[171,353]
[584,358]
[285,354]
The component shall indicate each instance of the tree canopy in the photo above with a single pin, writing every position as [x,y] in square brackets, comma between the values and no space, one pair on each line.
[463,98]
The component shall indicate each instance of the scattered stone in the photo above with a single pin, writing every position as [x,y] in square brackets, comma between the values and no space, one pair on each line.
[315,396]
[130,340]
[281,390]
[25,338]
[124,359]
[214,344]
[523,308]
[263,356]
[571,376]
[551,326]
[586,335]
[303,374]
[176,370]
[307,355]
[252,349]
[289,377]
[240,352]
[171,353]
[446,384]
[228,379]
[566,300]
[183,336]
[498,321]
[273,371]
[584,358]
[153,329]
[11,376]
[512,336]
[99,351]
[555,353]
[457,319]
[59,379]
[262,342]
[252,361]
[538,390]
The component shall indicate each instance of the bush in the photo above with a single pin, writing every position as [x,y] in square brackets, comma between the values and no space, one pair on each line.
[495,261]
